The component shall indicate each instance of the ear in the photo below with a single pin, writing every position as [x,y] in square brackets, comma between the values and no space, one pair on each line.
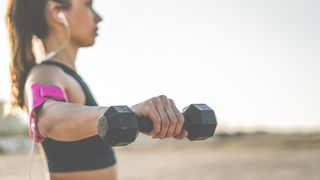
[55,14]
[63,18]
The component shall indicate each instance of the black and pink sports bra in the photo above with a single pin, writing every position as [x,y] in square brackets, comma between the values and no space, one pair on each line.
[86,154]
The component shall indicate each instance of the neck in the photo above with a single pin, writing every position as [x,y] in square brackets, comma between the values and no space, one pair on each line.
[67,55]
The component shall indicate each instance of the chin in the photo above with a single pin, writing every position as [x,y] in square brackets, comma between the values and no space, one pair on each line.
[88,44]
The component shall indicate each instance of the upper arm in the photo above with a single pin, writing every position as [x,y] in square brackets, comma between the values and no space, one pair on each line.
[46,75]
[41,76]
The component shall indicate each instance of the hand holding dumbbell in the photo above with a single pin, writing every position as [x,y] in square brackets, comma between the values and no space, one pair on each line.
[200,122]
[119,125]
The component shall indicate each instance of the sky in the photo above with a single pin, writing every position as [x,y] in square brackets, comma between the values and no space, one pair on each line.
[256,63]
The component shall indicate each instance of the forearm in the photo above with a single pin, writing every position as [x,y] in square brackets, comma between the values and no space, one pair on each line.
[68,122]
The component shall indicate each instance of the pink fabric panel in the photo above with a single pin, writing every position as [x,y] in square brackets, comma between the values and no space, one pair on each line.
[41,93]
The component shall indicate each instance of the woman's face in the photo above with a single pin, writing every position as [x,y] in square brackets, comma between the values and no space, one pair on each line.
[83,21]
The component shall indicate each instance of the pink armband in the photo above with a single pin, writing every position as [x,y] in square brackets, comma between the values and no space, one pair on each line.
[40,94]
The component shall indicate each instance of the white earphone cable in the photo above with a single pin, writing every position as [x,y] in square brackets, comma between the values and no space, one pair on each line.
[30,157]
[68,35]
[48,56]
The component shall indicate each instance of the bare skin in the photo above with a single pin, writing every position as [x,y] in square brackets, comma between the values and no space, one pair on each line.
[74,121]
[101,174]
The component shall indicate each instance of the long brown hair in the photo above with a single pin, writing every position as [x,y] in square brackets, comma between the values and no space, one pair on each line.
[25,19]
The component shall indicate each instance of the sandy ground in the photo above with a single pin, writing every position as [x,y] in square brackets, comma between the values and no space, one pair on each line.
[261,157]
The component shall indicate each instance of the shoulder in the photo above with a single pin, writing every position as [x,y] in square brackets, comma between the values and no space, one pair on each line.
[46,74]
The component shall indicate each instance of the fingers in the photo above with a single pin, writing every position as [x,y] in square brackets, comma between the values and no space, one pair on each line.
[182,135]
[156,119]
[171,116]
[179,117]
[167,120]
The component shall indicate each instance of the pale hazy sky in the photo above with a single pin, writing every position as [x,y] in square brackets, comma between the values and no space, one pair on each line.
[256,63]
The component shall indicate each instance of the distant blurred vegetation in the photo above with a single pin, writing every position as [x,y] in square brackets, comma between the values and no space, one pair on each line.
[13,130]
[12,122]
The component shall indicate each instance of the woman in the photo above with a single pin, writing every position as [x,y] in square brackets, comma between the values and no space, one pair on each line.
[68,128]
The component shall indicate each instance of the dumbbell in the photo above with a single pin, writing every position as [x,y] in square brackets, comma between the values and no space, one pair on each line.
[119,126]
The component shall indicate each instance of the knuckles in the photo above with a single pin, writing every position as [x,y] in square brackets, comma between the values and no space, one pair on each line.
[163,124]
[181,118]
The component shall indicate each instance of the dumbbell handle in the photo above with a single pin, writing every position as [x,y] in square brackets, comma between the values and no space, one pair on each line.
[145,124]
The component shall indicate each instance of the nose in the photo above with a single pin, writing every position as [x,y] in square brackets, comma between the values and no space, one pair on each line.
[98,18]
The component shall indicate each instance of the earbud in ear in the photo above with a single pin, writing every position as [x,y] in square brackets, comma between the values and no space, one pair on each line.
[63,18]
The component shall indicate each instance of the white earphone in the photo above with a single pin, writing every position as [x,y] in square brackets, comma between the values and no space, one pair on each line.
[63,18]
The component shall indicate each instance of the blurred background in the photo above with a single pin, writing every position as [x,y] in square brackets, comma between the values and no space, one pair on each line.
[256,63]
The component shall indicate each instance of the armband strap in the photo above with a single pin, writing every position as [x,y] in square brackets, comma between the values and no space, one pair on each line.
[40,94]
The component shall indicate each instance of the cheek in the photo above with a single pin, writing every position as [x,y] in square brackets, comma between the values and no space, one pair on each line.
[82,36]
[83,26]
[81,29]
[81,20]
